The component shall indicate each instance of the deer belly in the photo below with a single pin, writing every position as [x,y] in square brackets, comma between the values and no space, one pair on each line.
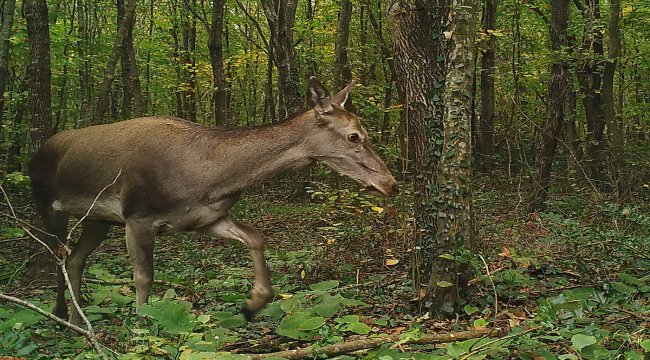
[106,210]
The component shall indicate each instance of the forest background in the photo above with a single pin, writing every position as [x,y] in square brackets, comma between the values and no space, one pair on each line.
[519,129]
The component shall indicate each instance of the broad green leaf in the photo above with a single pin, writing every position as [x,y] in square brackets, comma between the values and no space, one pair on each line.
[312,324]
[290,324]
[645,344]
[327,308]
[173,316]
[359,328]
[580,341]
[324,285]
[290,305]
[25,317]
[347,319]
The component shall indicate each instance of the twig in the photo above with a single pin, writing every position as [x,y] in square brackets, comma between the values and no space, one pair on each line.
[356,345]
[87,334]
[494,289]
[90,208]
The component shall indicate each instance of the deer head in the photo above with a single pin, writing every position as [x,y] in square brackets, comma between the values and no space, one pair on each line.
[339,141]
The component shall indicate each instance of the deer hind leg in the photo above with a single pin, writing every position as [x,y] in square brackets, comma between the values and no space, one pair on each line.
[92,235]
[262,291]
[140,236]
[56,224]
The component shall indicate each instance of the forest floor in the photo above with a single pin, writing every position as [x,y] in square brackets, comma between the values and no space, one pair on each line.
[572,282]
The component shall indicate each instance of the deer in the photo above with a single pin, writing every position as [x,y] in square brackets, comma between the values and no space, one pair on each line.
[164,175]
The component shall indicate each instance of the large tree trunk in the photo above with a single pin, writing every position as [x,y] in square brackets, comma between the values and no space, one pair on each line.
[215,45]
[40,73]
[486,142]
[416,29]
[614,129]
[557,87]
[281,15]
[589,73]
[103,101]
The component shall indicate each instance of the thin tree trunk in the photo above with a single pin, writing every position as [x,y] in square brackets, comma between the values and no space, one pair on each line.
[557,87]
[486,143]
[613,127]
[103,101]
[215,45]
[40,73]
[127,85]
[589,75]
[342,71]
[5,34]
[281,15]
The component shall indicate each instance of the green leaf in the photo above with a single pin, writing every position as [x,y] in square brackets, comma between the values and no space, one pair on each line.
[469,309]
[173,316]
[580,341]
[444,284]
[347,319]
[324,285]
[289,326]
[290,305]
[312,324]
[327,308]
[25,317]
[359,328]
[645,344]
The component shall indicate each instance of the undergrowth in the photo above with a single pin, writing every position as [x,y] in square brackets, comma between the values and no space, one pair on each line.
[568,283]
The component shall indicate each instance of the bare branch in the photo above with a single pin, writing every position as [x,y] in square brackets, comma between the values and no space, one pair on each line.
[92,339]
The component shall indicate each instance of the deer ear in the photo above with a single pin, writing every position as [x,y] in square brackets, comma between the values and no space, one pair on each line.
[342,96]
[318,97]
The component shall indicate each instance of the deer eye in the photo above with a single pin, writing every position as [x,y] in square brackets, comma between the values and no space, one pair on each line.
[354,137]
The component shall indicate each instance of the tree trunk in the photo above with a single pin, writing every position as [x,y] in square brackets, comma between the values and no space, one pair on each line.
[40,73]
[189,63]
[342,71]
[550,132]
[5,33]
[281,15]
[454,215]
[614,130]
[127,86]
[589,73]
[103,101]
[487,80]
[215,45]
[416,29]
[85,106]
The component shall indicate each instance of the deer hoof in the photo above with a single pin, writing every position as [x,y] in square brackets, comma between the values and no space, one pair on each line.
[248,314]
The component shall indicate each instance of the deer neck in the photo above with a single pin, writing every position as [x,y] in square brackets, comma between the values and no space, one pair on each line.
[253,155]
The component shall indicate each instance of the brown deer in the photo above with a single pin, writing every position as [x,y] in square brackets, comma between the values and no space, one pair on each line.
[161,175]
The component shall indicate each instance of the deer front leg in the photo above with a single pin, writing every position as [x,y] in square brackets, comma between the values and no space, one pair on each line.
[140,236]
[262,291]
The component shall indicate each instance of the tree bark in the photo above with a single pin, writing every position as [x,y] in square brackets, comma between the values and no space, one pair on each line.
[281,15]
[486,143]
[614,130]
[420,62]
[342,71]
[5,33]
[40,73]
[557,88]
[189,64]
[103,101]
[454,215]
[215,45]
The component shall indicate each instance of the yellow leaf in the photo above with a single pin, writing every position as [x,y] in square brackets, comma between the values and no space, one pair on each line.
[391,262]
[378,209]
[444,284]
[285,296]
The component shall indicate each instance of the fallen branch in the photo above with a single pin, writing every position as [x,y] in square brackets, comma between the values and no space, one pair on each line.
[90,336]
[356,345]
